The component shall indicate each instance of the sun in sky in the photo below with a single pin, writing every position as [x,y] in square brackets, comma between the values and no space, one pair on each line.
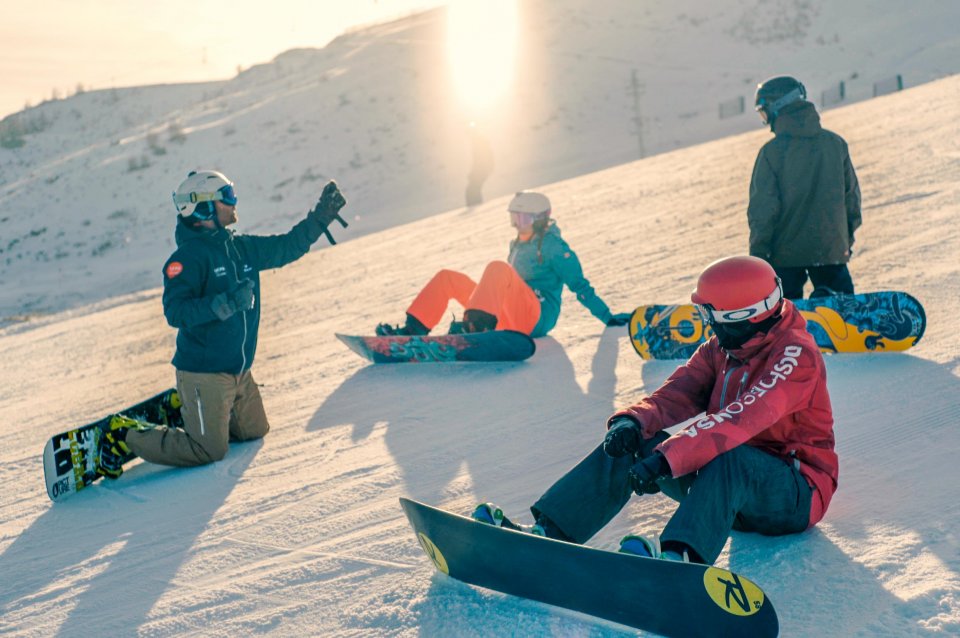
[482,45]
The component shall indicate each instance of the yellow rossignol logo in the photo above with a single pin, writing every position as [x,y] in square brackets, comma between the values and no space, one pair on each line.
[732,593]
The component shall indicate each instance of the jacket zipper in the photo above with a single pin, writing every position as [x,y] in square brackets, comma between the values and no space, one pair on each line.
[236,276]
[726,379]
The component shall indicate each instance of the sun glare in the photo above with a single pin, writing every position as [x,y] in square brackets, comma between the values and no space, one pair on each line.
[482,43]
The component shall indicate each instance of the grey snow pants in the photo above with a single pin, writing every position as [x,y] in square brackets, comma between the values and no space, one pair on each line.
[743,489]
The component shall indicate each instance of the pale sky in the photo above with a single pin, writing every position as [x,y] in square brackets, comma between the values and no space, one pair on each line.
[49,47]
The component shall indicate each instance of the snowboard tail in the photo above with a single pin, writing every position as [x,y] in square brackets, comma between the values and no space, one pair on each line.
[70,458]
[496,345]
[665,597]
[887,321]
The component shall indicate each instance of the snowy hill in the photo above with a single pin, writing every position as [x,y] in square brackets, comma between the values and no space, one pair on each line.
[85,202]
[301,534]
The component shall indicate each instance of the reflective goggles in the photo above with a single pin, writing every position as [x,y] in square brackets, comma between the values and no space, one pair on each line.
[712,315]
[765,110]
[522,220]
[224,194]
[227,195]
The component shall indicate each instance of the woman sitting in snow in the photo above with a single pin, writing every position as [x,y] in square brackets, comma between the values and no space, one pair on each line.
[522,293]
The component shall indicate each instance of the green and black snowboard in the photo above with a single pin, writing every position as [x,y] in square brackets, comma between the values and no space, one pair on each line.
[665,597]
[70,458]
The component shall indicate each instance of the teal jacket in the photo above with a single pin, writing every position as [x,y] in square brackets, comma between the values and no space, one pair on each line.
[547,263]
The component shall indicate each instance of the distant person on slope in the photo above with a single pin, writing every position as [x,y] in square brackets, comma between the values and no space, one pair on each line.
[804,195]
[211,294]
[522,293]
[758,458]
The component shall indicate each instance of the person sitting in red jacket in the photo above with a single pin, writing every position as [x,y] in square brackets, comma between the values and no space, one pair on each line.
[756,448]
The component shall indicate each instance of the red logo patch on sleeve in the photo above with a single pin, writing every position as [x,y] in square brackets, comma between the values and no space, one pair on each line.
[174,268]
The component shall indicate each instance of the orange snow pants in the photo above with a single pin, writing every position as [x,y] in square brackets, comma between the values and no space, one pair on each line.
[501,292]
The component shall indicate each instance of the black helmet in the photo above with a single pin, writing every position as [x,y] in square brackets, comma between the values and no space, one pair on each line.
[774,94]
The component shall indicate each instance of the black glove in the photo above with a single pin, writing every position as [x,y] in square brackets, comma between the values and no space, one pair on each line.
[242,295]
[226,304]
[328,209]
[644,474]
[623,437]
[619,319]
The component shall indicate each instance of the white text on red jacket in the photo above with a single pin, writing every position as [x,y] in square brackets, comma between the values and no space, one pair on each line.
[778,373]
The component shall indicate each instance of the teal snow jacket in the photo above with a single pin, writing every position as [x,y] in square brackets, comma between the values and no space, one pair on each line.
[547,263]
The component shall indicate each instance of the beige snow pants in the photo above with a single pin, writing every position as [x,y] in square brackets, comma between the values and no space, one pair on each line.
[217,408]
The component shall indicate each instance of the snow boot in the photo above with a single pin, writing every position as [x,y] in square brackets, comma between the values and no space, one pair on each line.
[823,291]
[456,327]
[640,546]
[492,515]
[478,321]
[113,451]
[412,327]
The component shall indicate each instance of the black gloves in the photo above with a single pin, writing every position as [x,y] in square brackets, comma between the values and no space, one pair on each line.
[623,437]
[328,209]
[645,473]
[226,304]
[619,319]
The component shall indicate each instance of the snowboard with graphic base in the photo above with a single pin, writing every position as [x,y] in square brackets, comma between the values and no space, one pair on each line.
[495,345]
[70,458]
[887,321]
[666,597]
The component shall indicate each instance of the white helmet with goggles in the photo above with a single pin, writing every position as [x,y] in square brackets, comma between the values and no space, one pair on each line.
[195,196]
[529,207]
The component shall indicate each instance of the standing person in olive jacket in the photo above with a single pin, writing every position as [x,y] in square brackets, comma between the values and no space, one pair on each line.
[804,195]
[522,293]
[756,453]
[211,294]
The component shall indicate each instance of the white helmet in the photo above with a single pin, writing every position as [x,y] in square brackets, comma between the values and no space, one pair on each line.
[195,195]
[530,203]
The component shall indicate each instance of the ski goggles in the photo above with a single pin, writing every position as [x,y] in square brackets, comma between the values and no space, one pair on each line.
[522,220]
[771,109]
[712,315]
[224,194]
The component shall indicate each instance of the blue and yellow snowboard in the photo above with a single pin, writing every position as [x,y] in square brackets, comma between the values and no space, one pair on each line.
[887,321]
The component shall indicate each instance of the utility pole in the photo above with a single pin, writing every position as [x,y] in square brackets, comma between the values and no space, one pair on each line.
[635,90]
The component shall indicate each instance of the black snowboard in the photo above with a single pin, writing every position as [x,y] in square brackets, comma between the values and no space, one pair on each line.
[496,345]
[665,597]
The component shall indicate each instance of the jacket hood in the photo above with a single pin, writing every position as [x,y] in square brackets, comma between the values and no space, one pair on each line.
[799,119]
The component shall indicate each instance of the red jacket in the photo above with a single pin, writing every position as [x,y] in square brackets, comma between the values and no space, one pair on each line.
[771,394]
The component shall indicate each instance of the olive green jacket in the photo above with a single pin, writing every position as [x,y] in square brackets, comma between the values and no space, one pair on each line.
[804,195]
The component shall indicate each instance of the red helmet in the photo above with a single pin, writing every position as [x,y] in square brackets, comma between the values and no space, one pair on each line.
[738,289]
